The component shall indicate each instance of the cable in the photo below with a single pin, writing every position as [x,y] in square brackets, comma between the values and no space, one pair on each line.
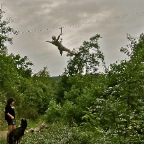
[81,24]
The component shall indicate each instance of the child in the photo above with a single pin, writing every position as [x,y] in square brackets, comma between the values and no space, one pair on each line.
[10,115]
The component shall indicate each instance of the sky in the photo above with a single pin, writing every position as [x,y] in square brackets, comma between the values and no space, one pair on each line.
[39,20]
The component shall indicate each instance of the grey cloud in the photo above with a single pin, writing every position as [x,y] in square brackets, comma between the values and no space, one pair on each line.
[42,14]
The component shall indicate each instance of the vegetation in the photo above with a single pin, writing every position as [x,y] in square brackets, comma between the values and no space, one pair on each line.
[83,106]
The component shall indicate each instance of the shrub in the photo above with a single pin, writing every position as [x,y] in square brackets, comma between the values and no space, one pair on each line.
[53,113]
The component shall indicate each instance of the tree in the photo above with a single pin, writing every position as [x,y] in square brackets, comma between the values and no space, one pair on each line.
[8,74]
[5,32]
[87,59]
[75,90]
[23,65]
[119,113]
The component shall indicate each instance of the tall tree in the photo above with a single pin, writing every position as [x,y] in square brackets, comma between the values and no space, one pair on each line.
[5,32]
[8,72]
[120,112]
[87,59]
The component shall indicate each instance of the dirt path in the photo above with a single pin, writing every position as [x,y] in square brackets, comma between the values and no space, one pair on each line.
[3,134]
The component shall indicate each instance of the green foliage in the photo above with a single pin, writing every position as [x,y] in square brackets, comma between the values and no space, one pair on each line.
[5,30]
[71,112]
[2,141]
[8,72]
[32,93]
[23,65]
[120,113]
[87,59]
[61,134]
[53,112]
[79,93]
[37,91]
[109,105]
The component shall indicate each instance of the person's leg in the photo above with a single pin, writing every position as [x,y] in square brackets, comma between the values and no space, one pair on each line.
[10,127]
[13,126]
[9,130]
[68,50]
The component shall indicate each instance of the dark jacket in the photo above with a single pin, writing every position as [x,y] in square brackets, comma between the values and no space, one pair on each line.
[10,110]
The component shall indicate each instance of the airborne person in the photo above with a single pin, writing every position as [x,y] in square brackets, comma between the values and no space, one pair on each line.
[55,41]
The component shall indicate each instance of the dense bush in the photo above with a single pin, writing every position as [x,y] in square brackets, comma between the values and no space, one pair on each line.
[60,133]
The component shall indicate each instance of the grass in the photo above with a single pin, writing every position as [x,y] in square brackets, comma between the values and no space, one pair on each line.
[2,141]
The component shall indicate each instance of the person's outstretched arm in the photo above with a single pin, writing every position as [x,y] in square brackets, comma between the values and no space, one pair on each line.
[58,37]
[49,41]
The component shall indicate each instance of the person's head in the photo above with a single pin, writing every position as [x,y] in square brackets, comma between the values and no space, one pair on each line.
[10,101]
[53,37]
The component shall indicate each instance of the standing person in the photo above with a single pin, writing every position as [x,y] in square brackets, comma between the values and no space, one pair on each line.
[10,115]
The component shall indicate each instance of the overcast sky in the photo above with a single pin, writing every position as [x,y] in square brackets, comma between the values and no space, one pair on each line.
[81,19]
